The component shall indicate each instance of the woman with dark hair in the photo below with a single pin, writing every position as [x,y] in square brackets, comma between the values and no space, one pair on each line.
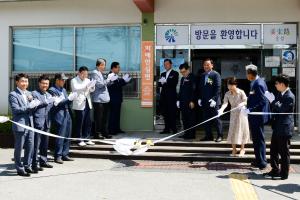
[238,133]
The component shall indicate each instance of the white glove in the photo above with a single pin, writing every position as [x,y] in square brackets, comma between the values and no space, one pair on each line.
[72,96]
[126,78]
[178,104]
[245,111]
[220,112]
[91,84]
[270,96]
[34,103]
[212,103]
[50,100]
[112,77]
[57,100]
[3,119]
[162,80]
[199,102]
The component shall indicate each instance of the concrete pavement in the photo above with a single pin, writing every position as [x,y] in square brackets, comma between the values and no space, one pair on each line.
[91,179]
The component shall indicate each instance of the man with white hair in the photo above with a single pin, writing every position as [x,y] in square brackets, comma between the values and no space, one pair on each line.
[257,102]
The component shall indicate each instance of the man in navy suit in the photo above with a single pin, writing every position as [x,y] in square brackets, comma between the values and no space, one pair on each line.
[41,119]
[283,127]
[61,117]
[257,102]
[209,90]
[168,82]
[22,105]
[115,90]
[186,100]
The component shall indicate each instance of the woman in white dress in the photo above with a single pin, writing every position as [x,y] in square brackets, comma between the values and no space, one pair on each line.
[238,133]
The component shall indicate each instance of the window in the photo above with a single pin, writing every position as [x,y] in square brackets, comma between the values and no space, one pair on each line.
[51,50]
[43,49]
[121,44]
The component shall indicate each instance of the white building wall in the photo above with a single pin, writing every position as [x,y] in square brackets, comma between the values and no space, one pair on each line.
[57,12]
[188,11]
[78,12]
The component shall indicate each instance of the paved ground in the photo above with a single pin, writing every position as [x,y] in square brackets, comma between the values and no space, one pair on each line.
[138,180]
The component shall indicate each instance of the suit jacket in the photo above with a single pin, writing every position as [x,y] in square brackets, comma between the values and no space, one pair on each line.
[211,89]
[283,125]
[187,90]
[257,102]
[41,114]
[168,91]
[100,95]
[21,112]
[59,112]
[115,90]
[79,86]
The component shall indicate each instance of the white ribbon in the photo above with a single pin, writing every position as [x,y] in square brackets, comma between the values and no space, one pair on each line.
[134,146]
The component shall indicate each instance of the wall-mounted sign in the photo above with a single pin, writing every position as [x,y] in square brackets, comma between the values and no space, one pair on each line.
[226,34]
[172,35]
[291,72]
[272,61]
[147,74]
[288,58]
[280,34]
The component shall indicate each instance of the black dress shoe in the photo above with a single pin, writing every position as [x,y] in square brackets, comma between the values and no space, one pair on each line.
[31,171]
[254,164]
[272,174]
[22,173]
[284,177]
[46,165]
[67,158]
[165,132]
[120,131]
[219,139]
[106,136]
[37,168]
[100,137]
[59,161]
[206,139]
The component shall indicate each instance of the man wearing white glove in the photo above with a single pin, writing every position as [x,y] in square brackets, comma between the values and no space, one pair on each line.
[62,118]
[186,101]
[209,90]
[82,105]
[257,102]
[168,95]
[22,113]
[116,98]
[101,99]
[42,121]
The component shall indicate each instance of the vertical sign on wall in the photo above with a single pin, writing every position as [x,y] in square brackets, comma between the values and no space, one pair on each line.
[147,74]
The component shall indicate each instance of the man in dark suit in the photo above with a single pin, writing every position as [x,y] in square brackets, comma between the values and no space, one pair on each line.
[115,90]
[283,127]
[257,102]
[41,119]
[22,105]
[168,82]
[186,100]
[209,90]
[61,117]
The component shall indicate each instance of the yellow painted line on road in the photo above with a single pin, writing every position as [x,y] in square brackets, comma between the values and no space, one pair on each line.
[242,188]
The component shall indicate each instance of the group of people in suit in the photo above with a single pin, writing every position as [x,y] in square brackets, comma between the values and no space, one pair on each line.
[248,117]
[46,108]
